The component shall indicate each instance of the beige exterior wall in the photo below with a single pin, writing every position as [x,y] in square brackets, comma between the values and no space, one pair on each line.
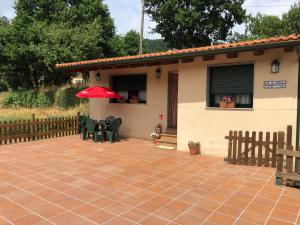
[273,109]
[139,120]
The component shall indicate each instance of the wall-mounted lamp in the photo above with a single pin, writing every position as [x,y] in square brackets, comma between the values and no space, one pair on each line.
[98,76]
[158,73]
[275,66]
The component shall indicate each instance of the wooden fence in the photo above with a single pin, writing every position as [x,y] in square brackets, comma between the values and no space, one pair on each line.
[288,163]
[37,129]
[257,149]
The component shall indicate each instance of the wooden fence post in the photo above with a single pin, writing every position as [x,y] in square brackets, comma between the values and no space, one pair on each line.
[240,142]
[253,146]
[246,148]
[33,128]
[279,180]
[274,148]
[234,147]
[260,146]
[77,123]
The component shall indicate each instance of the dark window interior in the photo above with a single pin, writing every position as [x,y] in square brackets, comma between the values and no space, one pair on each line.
[235,81]
[131,87]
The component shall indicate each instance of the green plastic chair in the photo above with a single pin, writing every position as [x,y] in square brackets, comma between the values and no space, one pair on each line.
[113,129]
[82,127]
[92,128]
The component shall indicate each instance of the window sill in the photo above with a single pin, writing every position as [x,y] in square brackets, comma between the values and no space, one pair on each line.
[233,109]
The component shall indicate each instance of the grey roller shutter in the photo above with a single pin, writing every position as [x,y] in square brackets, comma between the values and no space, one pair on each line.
[231,80]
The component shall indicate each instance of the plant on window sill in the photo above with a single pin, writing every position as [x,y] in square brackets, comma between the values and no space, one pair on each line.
[228,102]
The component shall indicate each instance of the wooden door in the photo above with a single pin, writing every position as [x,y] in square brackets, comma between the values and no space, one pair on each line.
[172,100]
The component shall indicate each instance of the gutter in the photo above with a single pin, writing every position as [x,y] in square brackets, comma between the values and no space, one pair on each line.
[183,55]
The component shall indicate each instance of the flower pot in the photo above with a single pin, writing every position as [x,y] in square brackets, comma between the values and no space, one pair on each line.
[134,101]
[194,150]
[227,105]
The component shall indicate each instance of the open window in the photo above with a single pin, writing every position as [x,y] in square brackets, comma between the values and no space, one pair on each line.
[133,88]
[235,80]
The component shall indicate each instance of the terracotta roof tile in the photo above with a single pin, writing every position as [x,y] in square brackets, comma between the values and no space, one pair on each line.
[189,50]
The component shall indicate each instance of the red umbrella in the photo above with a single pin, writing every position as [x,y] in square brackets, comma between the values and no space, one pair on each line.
[98,92]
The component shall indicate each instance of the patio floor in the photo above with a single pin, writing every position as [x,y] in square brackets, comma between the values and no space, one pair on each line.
[69,181]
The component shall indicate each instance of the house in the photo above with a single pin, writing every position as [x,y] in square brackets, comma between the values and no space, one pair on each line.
[186,86]
[78,80]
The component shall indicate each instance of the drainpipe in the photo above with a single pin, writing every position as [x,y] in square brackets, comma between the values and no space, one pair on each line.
[298,101]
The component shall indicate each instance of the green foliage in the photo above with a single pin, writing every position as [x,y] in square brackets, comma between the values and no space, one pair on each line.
[43,100]
[157,45]
[46,32]
[270,26]
[131,43]
[266,26]
[291,20]
[3,21]
[65,97]
[189,23]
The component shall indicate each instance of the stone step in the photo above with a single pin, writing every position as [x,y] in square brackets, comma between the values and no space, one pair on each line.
[171,131]
[167,139]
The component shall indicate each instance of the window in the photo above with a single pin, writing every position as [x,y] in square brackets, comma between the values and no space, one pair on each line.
[131,87]
[236,81]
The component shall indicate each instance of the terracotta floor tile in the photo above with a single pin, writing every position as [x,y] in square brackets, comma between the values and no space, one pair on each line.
[100,216]
[102,202]
[230,210]
[85,209]
[51,211]
[117,208]
[118,221]
[273,221]
[64,218]
[98,181]
[151,220]
[134,214]
[283,215]
[28,220]
[253,216]
[149,206]
[220,219]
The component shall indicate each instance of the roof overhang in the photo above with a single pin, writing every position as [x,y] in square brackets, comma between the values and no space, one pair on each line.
[160,59]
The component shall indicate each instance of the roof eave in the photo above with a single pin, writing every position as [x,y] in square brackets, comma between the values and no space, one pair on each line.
[183,55]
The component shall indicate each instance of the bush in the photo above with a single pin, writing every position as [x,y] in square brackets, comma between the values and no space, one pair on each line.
[65,98]
[43,100]
[28,99]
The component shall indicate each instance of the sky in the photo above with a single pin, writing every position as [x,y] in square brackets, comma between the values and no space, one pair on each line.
[127,13]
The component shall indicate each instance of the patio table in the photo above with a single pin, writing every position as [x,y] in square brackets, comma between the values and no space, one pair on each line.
[102,124]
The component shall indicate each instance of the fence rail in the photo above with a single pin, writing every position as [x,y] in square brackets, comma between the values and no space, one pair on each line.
[288,163]
[37,129]
[257,149]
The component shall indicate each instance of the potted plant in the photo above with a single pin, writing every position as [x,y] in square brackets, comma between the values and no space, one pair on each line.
[227,102]
[134,99]
[194,147]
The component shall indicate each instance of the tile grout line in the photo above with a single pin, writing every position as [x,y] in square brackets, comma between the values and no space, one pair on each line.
[3,196]
[281,193]
[238,188]
[298,217]
[7,220]
[247,206]
[153,213]
[200,199]
[173,199]
[84,202]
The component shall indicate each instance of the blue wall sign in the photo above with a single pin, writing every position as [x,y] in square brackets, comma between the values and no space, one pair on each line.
[275,84]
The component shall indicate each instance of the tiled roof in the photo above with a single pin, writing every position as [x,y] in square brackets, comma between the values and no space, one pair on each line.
[265,41]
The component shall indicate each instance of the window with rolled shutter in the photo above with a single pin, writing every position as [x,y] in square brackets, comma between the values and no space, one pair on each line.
[236,81]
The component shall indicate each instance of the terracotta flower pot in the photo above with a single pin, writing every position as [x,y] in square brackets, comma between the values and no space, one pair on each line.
[134,101]
[227,105]
[194,150]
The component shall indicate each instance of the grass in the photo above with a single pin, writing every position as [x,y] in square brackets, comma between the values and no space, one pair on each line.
[7,114]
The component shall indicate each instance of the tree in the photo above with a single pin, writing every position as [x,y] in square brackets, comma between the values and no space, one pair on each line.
[4,21]
[265,26]
[46,32]
[291,20]
[156,45]
[190,23]
[131,43]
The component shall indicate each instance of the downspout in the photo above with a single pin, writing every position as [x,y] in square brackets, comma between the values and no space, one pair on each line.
[298,101]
